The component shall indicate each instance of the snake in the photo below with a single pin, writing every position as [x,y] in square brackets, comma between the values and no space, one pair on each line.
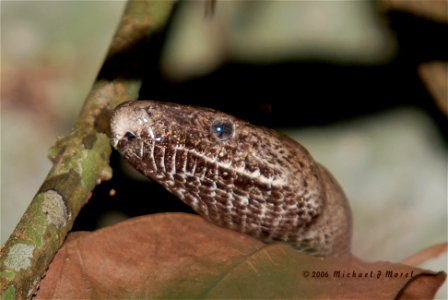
[236,175]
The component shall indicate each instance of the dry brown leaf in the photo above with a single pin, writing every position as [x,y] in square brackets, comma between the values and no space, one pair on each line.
[175,255]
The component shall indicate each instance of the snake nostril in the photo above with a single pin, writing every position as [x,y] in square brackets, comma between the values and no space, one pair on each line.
[129,136]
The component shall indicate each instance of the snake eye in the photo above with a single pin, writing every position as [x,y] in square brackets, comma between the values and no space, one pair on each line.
[129,136]
[222,129]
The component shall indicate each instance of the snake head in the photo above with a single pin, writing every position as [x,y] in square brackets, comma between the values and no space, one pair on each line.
[236,175]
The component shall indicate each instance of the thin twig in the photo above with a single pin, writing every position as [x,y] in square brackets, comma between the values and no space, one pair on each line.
[426,254]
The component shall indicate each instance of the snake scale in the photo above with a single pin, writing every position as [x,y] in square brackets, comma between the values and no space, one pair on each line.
[236,175]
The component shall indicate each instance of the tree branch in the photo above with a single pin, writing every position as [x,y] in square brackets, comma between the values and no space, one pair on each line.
[81,159]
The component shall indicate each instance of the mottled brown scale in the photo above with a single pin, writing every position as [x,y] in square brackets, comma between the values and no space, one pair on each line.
[236,175]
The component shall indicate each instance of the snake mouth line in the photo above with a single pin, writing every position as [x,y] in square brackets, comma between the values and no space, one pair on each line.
[240,171]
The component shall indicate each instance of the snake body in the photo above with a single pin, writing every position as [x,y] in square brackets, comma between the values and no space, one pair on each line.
[236,175]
